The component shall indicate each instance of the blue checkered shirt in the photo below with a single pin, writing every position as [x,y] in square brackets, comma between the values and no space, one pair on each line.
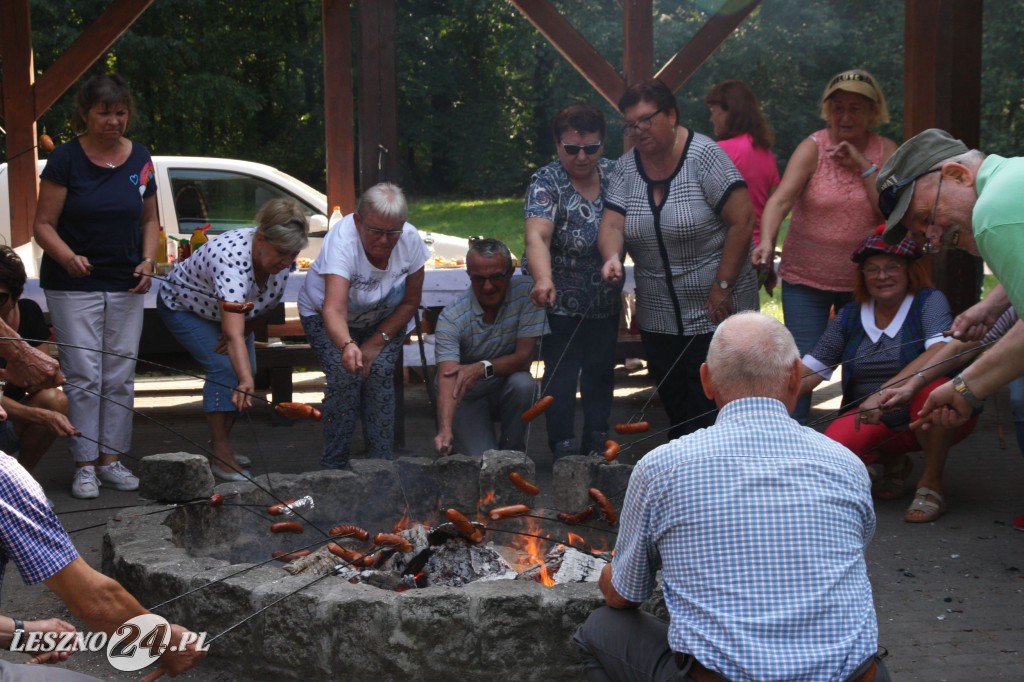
[759,526]
[30,533]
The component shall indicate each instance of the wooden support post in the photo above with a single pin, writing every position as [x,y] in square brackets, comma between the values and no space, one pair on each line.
[19,118]
[339,117]
[378,93]
[942,89]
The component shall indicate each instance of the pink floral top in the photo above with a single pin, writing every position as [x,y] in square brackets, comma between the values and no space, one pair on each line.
[830,219]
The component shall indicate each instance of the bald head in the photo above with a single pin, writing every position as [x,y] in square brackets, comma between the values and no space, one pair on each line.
[751,355]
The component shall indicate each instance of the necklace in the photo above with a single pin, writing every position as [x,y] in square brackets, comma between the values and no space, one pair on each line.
[110,165]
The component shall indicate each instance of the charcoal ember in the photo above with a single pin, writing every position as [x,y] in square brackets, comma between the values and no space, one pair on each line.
[319,562]
[457,563]
[382,579]
[418,537]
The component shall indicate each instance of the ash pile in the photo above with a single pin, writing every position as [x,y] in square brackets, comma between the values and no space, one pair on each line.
[443,557]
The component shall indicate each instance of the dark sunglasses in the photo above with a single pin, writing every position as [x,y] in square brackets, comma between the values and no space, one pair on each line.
[890,196]
[480,279]
[574,149]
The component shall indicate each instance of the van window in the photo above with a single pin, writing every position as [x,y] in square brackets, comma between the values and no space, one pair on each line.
[224,199]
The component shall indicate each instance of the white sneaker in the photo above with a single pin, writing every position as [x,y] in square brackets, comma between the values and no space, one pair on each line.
[84,486]
[117,477]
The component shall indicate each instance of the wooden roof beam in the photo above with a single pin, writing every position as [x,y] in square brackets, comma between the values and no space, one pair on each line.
[574,47]
[84,52]
[685,63]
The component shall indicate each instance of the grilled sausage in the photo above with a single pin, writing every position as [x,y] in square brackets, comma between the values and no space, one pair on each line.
[512,510]
[523,485]
[535,411]
[632,427]
[350,531]
[286,527]
[606,507]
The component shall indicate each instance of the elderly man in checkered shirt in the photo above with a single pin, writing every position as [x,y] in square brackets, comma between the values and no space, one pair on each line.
[759,527]
[33,538]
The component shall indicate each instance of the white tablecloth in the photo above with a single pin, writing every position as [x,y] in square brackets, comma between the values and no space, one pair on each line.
[440,286]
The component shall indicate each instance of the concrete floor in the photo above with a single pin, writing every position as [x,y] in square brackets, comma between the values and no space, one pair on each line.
[949,595]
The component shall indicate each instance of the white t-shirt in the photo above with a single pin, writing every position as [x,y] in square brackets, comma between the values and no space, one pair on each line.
[372,293]
[223,267]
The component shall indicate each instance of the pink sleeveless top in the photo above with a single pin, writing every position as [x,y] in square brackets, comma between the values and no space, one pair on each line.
[830,219]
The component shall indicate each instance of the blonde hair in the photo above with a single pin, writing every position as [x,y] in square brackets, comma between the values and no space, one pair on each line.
[859,82]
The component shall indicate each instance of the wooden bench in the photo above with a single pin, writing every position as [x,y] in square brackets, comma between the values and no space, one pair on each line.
[274,364]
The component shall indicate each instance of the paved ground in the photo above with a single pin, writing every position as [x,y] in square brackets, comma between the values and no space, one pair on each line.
[949,595]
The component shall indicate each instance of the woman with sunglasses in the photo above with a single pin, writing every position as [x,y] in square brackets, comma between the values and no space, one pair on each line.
[564,204]
[681,209]
[893,327]
[239,266]
[358,296]
[829,185]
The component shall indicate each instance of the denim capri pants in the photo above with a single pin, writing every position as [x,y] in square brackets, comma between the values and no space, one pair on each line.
[199,336]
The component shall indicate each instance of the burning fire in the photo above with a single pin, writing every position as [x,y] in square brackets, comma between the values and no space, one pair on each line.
[535,549]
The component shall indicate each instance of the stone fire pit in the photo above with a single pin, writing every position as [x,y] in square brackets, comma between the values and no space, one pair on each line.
[502,629]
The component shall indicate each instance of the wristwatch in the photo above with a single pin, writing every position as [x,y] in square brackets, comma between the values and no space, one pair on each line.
[387,339]
[961,387]
[723,285]
[488,369]
[19,632]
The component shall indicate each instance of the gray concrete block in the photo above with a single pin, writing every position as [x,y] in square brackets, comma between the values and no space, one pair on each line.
[174,477]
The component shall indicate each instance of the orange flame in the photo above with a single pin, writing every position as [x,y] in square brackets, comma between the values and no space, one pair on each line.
[487,499]
[406,522]
[534,548]
[576,540]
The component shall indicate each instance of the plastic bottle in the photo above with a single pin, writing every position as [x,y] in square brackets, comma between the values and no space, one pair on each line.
[335,217]
[161,250]
[184,249]
[198,238]
[429,241]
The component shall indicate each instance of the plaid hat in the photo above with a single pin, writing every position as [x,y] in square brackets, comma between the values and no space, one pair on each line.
[875,245]
[896,180]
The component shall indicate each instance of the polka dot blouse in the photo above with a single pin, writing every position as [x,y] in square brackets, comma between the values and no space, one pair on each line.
[222,267]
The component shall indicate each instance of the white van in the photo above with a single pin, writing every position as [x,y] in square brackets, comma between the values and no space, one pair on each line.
[193,191]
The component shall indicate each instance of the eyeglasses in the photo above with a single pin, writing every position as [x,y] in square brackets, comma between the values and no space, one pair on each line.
[5,296]
[889,196]
[641,124]
[387,234]
[574,149]
[480,279]
[890,270]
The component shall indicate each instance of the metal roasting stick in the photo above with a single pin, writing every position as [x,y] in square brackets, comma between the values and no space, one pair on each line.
[201,448]
[151,363]
[639,416]
[571,525]
[831,416]
[249,568]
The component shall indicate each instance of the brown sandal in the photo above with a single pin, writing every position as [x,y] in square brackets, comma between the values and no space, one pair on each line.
[890,486]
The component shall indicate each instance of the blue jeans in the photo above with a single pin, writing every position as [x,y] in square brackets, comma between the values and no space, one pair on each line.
[199,336]
[806,312]
[590,358]
[348,395]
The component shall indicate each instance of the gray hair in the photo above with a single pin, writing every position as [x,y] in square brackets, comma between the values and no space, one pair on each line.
[489,248]
[971,159]
[282,222]
[751,354]
[385,200]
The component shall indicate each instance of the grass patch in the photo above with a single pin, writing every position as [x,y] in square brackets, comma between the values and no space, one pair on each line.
[496,218]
